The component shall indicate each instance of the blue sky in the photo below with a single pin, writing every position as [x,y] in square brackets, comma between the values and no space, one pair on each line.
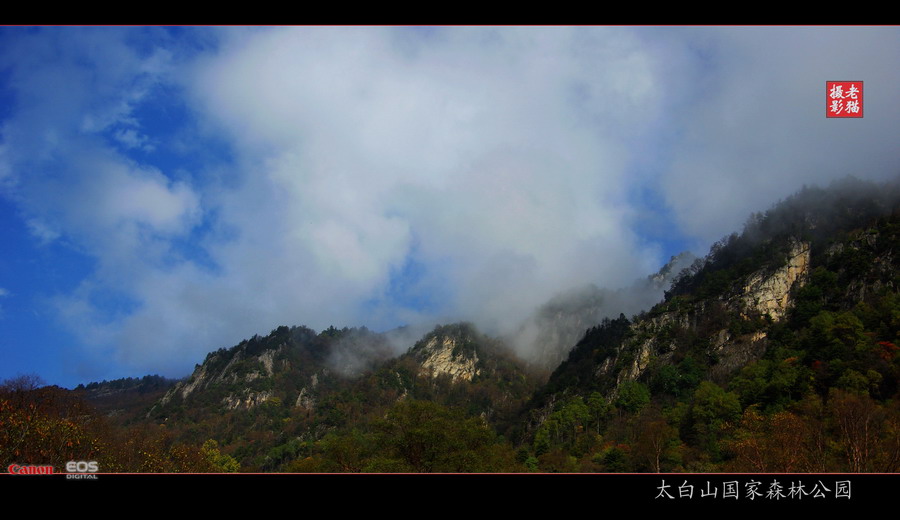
[166,192]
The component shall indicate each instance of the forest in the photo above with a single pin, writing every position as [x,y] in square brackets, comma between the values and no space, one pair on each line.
[726,374]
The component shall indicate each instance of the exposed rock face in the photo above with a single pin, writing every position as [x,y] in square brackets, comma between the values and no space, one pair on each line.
[306,399]
[769,294]
[198,378]
[641,361]
[248,400]
[267,359]
[443,355]
[457,363]
[646,341]
[766,292]
[235,371]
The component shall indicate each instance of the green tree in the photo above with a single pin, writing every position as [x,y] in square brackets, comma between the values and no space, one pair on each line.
[220,462]
[599,409]
[425,437]
[713,412]
[633,396]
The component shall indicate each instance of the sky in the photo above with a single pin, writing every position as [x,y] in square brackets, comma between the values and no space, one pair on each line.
[165,192]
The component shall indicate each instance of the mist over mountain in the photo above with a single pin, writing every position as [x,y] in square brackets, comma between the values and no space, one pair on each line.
[776,352]
[430,248]
[778,326]
[165,190]
[547,336]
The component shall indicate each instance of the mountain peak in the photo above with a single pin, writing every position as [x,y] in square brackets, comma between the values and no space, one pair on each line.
[449,350]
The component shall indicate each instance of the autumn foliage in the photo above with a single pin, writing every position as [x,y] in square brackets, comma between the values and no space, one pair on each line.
[49,425]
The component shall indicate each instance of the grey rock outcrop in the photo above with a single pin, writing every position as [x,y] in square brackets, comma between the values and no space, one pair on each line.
[444,355]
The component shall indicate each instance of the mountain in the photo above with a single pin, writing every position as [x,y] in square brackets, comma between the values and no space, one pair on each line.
[458,366]
[776,352]
[768,344]
[294,386]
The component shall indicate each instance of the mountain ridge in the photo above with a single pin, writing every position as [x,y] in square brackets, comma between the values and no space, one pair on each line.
[796,313]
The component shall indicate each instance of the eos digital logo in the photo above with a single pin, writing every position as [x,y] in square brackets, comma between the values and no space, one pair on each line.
[80,469]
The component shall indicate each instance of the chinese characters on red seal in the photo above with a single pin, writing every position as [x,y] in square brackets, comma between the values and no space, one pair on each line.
[843,99]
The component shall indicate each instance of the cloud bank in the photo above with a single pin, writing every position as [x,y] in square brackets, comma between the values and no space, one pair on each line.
[226,181]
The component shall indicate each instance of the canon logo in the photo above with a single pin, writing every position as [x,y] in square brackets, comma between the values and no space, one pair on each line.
[16,469]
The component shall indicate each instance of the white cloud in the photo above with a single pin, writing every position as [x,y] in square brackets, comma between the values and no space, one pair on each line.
[482,147]
[131,138]
[42,231]
[480,170]
[759,132]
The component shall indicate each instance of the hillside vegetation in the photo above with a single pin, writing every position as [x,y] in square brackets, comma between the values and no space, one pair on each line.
[777,352]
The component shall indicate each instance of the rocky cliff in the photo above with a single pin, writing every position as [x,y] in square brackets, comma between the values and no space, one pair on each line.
[243,373]
[728,328]
[769,293]
[284,367]
[458,352]
[448,356]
